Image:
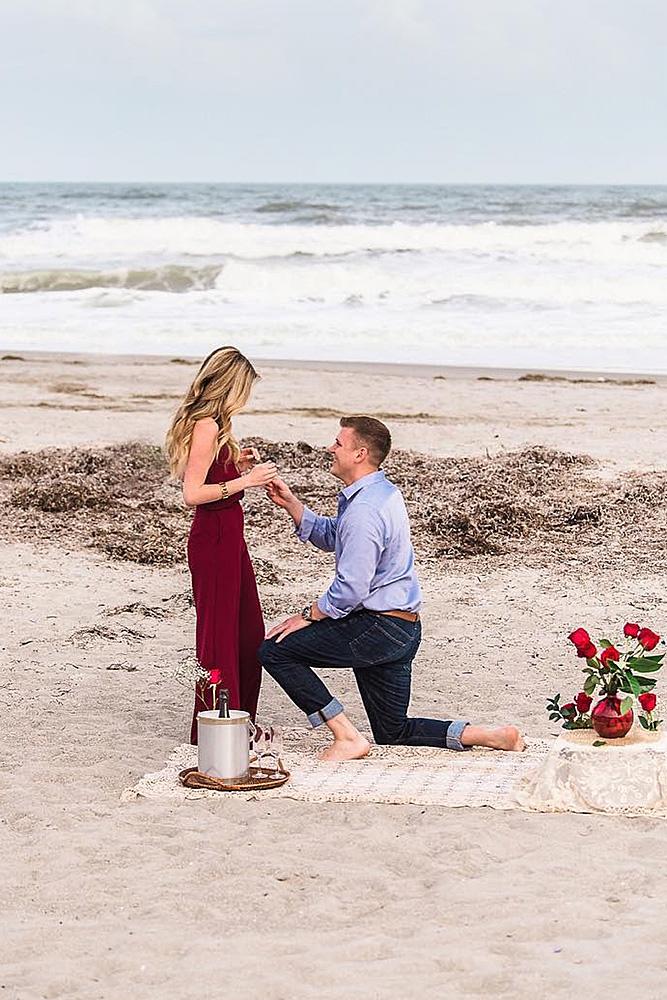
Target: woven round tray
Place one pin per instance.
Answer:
(192, 778)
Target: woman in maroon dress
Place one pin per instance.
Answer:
(204, 453)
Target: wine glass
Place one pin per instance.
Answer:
(262, 745)
(277, 748)
(252, 737)
(272, 750)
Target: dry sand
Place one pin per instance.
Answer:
(281, 899)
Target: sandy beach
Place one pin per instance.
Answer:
(538, 504)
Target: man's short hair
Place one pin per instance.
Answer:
(371, 434)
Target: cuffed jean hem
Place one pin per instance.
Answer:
(453, 737)
(329, 711)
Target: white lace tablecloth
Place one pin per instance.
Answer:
(624, 777)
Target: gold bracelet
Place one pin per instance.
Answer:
(224, 492)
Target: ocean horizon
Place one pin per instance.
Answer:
(518, 276)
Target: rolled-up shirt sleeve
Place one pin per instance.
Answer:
(361, 543)
(319, 530)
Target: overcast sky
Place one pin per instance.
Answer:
(334, 90)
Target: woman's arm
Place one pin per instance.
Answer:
(202, 452)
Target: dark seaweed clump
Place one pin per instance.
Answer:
(535, 503)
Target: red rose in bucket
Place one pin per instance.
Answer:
(189, 671)
(620, 676)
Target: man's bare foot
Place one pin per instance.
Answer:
(346, 749)
(348, 743)
(500, 738)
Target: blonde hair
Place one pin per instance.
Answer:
(220, 389)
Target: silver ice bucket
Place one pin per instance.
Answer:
(224, 744)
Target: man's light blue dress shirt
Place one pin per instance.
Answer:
(375, 561)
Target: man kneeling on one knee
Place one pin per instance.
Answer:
(368, 619)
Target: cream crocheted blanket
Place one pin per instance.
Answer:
(628, 777)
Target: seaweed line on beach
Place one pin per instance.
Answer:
(534, 504)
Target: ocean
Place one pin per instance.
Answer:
(535, 277)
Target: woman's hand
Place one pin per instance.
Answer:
(261, 475)
(248, 460)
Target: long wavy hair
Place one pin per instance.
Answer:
(220, 389)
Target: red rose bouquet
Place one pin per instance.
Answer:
(622, 677)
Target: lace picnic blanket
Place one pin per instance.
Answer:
(625, 777)
(395, 775)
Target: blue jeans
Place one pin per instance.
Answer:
(380, 649)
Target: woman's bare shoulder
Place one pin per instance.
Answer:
(205, 429)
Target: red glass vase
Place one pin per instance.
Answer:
(608, 722)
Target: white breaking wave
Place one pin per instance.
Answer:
(385, 267)
(117, 239)
(436, 280)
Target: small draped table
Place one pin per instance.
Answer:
(626, 777)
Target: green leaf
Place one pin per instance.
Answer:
(643, 722)
(645, 666)
(590, 685)
(605, 643)
(599, 743)
(569, 725)
(592, 662)
(647, 682)
(626, 705)
(554, 717)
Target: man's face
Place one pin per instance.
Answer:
(346, 454)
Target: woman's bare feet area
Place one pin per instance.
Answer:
(497, 738)
(346, 749)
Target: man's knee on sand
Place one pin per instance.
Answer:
(389, 733)
(271, 654)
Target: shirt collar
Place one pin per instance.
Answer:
(353, 488)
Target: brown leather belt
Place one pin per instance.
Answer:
(407, 616)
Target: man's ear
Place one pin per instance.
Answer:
(362, 454)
